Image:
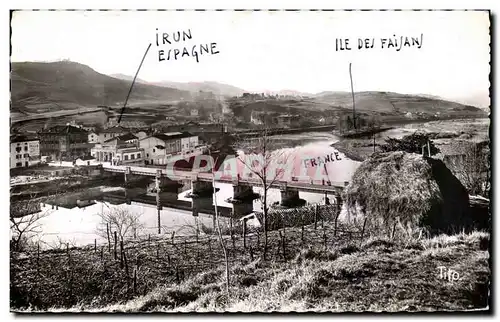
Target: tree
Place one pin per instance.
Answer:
(121, 220)
(25, 227)
(412, 143)
(471, 166)
(262, 164)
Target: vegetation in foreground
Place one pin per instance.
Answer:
(377, 275)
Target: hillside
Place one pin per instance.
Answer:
(214, 87)
(38, 87)
(388, 102)
(195, 87)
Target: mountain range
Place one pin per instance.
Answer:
(39, 87)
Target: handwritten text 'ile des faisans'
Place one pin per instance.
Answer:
(394, 42)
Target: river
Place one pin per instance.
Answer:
(81, 226)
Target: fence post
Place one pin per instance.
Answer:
(135, 279)
(121, 253)
(102, 252)
(95, 245)
(116, 257)
(282, 237)
(149, 239)
(244, 234)
(363, 231)
(185, 247)
(393, 229)
(315, 217)
(109, 239)
(324, 237)
(173, 238)
(126, 264)
(335, 225)
(168, 257)
(251, 253)
(210, 244)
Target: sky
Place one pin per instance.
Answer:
(259, 51)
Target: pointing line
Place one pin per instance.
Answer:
(132, 85)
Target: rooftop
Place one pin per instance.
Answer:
(63, 129)
(115, 129)
(170, 136)
(22, 138)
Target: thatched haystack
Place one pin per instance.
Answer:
(408, 190)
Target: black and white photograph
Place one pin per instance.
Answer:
(252, 161)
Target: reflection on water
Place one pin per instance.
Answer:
(80, 226)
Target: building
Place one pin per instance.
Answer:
(119, 151)
(193, 112)
(87, 160)
(256, 118)
(162, 146)
(112, 132)
(93, 137)
(288, 120)
(64, 143)
(24, 151)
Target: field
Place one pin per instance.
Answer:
(321, 267)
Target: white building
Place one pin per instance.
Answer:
(93, 137)
(160, 147)
(24, 151)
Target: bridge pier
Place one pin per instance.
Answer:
(202, 188)
(242, 200)
(290, 198)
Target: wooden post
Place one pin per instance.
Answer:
(95, 245)
(168, 258)
(302, 231)
(126, 263)
(157, 250)
(210, 245)
(373, 142)
(116, 256)
(121, 253)
(135, 279)
(316, 217)
(173, 238)
(149, 239)
(185, 247)
(102, 253)
(363, 231)
(244, 234)
(67, 250)
(135, 233)
(429, 148)
(251, 253)
(283, 245)
(393, 229)
(324, 237)
(109, 239)
(335, 224)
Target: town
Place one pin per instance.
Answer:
(352, 181)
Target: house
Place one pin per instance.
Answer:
(257, 118)
(287, 120)
(141, 135)
(161, 146)
(24, 151)
(64, 143)
(86, 161)
(117, 151)
(112, 132)
(93, 137)
(193, 112)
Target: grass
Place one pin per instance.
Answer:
(378, 274)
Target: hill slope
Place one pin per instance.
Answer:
(388, 102)
(40, 87)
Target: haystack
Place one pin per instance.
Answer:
(408, 190)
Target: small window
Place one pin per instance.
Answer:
(138, 155)
(147, 155)
(153, 150)
(132, 156)
(125, 157)
(25, 148)
(19, 164)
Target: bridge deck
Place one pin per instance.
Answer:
(297, 183)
